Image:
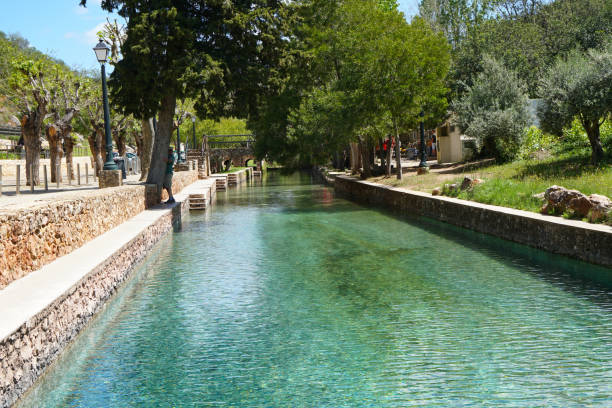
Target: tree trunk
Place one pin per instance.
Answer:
(119, 138)
(95, 145)
(388, 159)
(148, 137)
(69, 146)
(91, 139)
(365, 159)
(56, 152)
(31, 140)
(398, 152)
(32, 160)
(354, 158)
(592, 130)
(157, 169)
(381, 152)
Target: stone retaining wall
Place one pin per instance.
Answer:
(26, 353)
(31, 238)
(587, 242)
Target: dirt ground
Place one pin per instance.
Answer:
(439, 174)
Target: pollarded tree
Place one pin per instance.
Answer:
(494, 111)
(579, 86)
(30, 94)
(65, 106)
(91, 120)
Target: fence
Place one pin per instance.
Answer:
(79, 174)
(18, 153)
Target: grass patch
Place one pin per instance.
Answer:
(514, 184)
(233, 169)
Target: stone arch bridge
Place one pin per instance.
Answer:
(234, 149)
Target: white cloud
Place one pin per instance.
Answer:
(91, 36)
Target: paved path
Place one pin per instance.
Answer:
(10, 201)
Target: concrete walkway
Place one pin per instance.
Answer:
(10, 201)
(25, 298)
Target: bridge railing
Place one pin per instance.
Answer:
(10, 130)
(228, 141)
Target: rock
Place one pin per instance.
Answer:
(453, 187)
(551, 190)
(580, 205)
(601, 207)
(436, 191)
(466, 183)
(560, 200)
(539, 196)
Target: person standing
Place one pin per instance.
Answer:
(168, 177)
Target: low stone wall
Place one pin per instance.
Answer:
(321, 175)
(587, 242)
(26, 353)
(33, 237)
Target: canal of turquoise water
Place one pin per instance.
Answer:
(283, 295)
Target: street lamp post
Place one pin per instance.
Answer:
(178, 143)
(102, 51)
(423, 153)
(193, 120)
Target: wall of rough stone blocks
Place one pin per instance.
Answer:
(31, 238)
(587, 242)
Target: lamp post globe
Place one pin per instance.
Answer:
(102, 51)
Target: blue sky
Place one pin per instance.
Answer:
(66, 31)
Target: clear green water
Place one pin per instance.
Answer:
(284, 296)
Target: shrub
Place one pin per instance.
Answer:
(579, 85)
(536, 140)
(575, 139)
(494, 111)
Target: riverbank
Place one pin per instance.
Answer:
(517, 184)
(60, 282)
(576, 239)
(38, 232)
(46, 309)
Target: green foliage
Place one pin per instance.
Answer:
(494, 111)
(579, 86)
(527, 36)
(361, 72)
(223, 126)
(575, 140)
(388, 5)
(535, 141)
